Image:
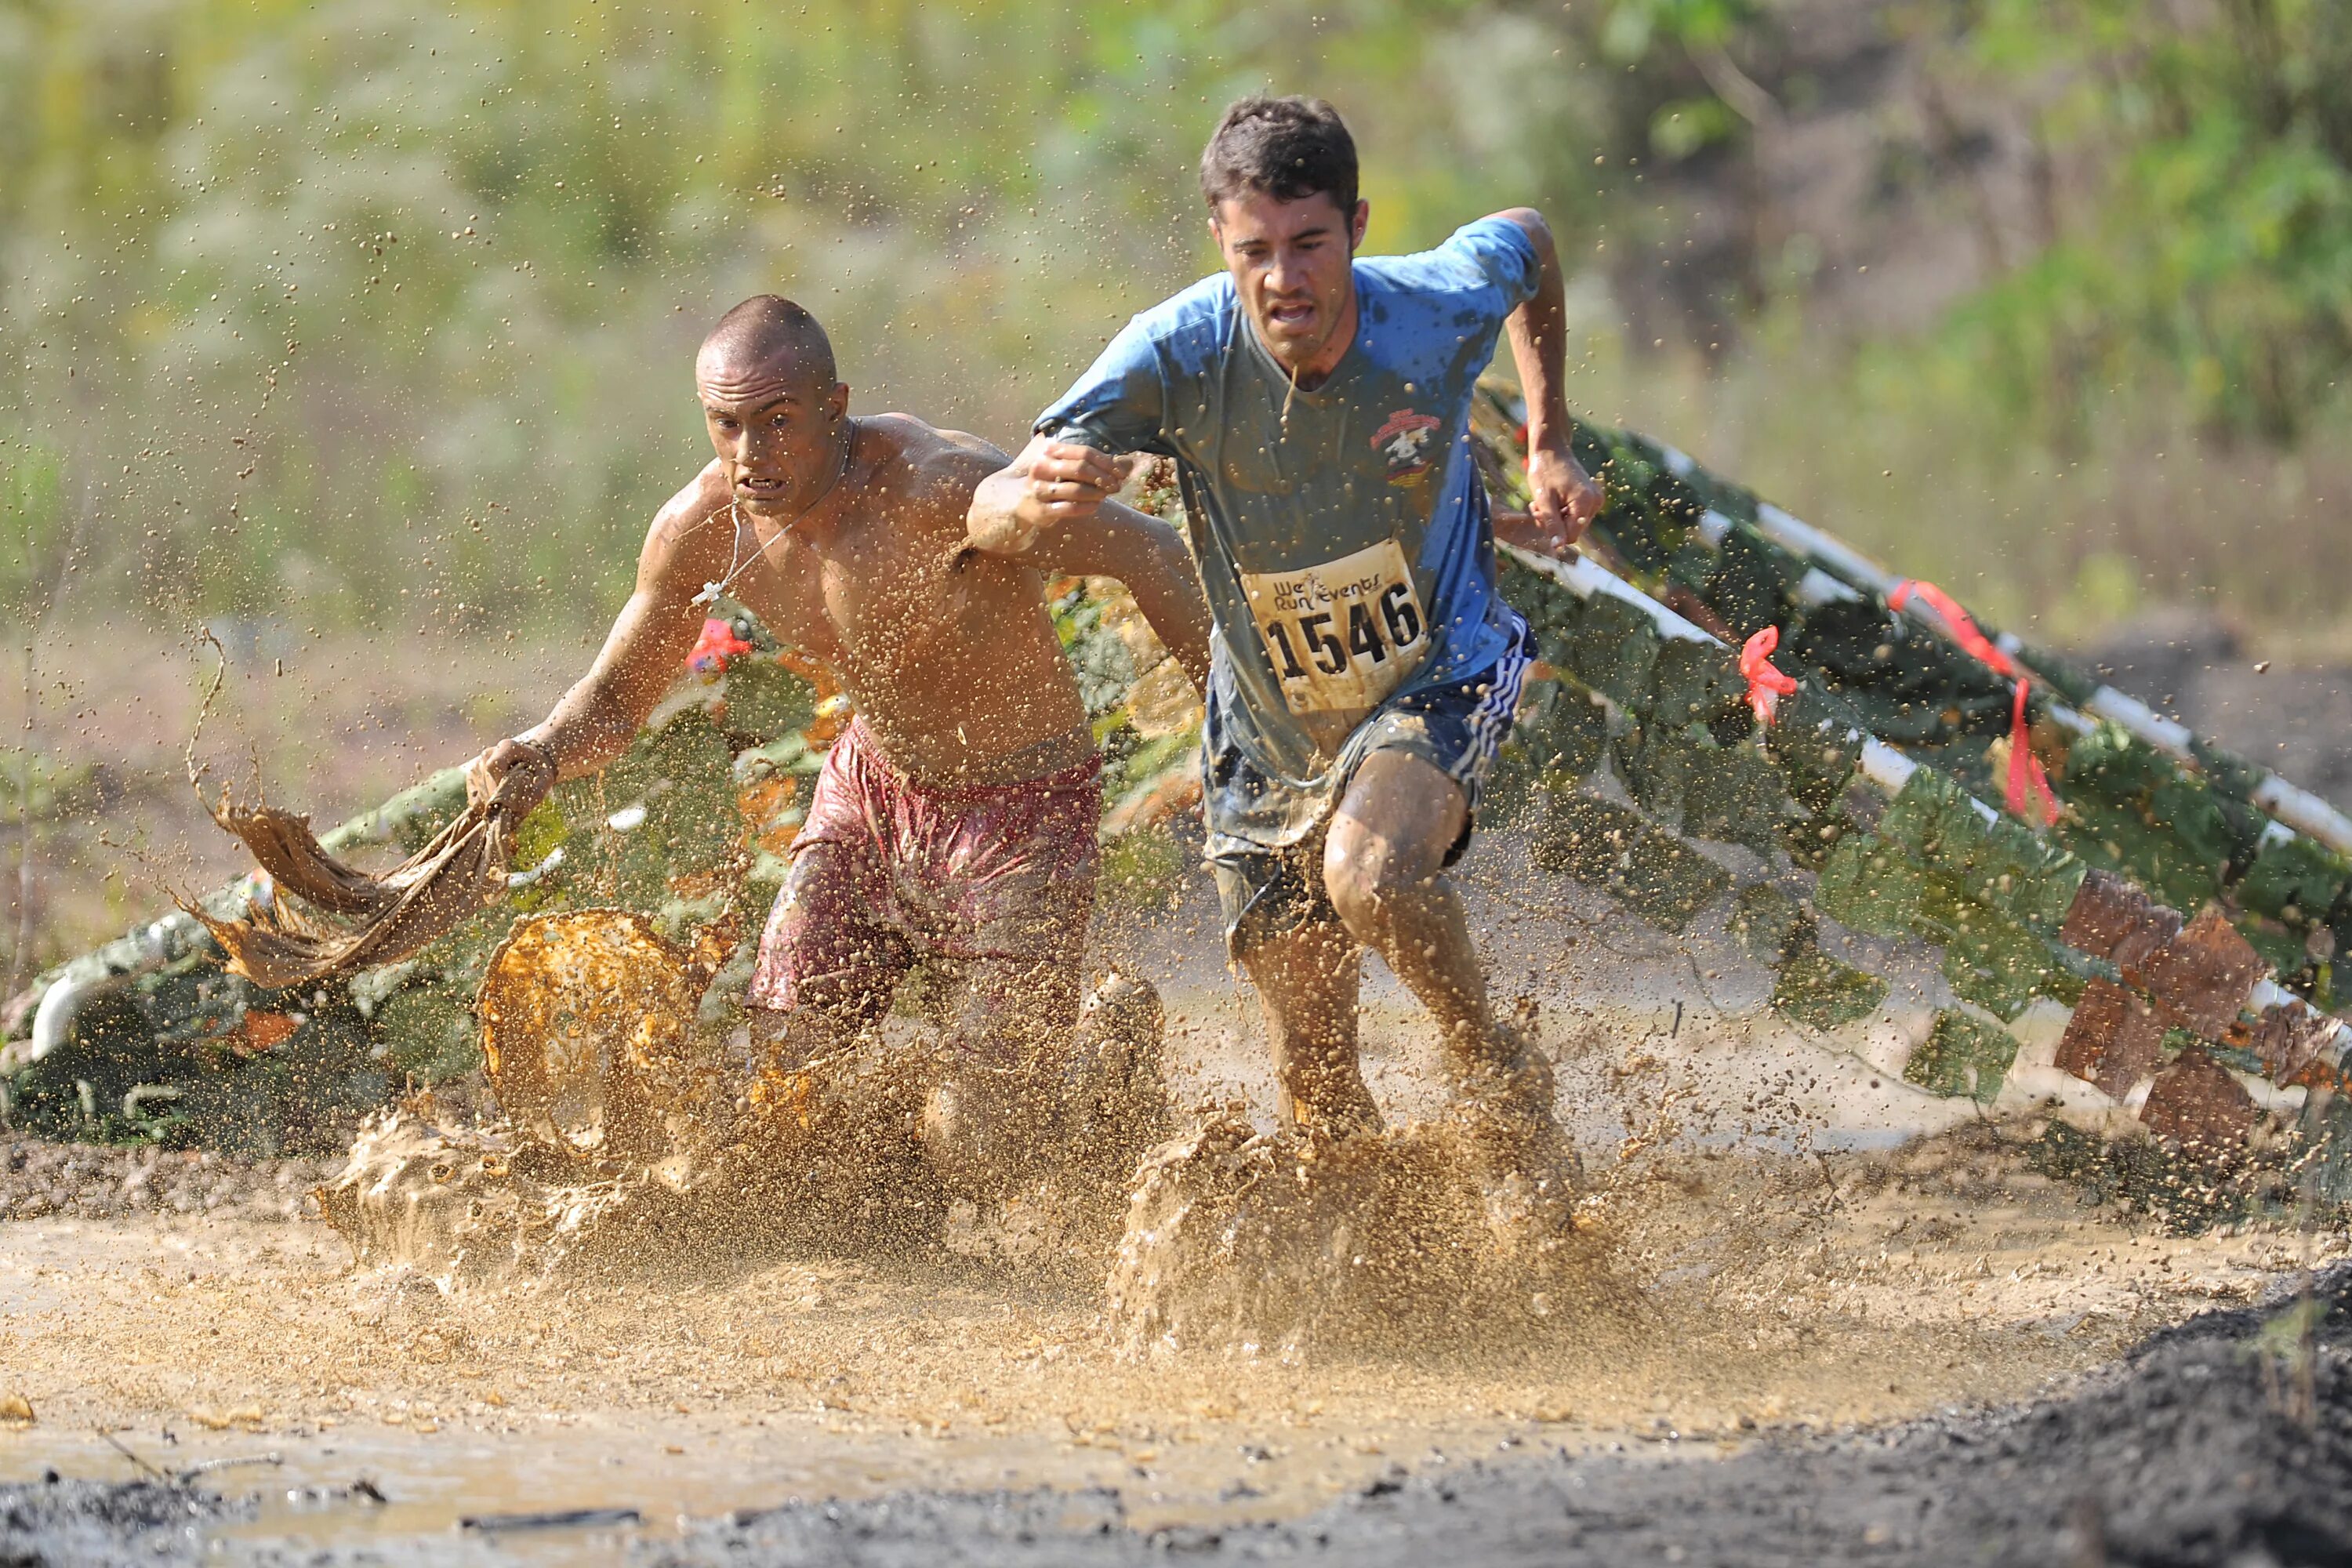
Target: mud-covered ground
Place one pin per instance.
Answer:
(2226, 1440)
(1792, 1376)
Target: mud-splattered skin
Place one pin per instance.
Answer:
(847, 537)
(950, 655)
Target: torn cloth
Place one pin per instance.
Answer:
(385, 918)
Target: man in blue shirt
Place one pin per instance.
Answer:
(1317, 405)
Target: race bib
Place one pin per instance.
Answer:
(1342, 635)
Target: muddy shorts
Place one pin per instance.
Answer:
(1457, 726)
(887, 871)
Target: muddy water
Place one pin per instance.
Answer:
(1790, 1266)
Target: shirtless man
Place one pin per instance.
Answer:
(955, 818)
(1317, 404)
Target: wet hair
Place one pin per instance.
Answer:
(768, 326)
(1287, 148)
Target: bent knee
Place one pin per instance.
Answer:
(1363, 881)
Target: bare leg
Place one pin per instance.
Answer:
(1307, 983)
(996, 1115)
(1383, 866)
(1383, 863)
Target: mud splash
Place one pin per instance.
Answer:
(1291, 1243)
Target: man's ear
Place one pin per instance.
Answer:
(836, 404)
(1362, 219)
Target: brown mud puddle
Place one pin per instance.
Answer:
(1776, 1290)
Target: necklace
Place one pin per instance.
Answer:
(737, 564)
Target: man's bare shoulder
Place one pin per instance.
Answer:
(679, 531)
(930, 461)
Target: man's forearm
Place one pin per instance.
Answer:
(1538, 330)
(1179, 616)
(588, 727)
(991, 523)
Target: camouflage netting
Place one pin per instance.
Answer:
(2149, 916)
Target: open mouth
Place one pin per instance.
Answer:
(1291, 316)
(751, 487)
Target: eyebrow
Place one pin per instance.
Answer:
(721, 406)
(1319, 229)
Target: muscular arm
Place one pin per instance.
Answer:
(1147, 555)
(1071, 526)
(1562, 498)
(593, 722)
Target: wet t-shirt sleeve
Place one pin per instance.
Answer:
(1120, 402)
(1490, 265)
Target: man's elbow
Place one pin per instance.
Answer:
(1538, 229)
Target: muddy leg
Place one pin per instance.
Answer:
(825, 972)
(1306, 984)
(996, 1117)
(1383, 866)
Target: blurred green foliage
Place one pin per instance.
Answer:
(2215, 249)
(348, 311)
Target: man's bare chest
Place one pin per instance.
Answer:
(873, 606)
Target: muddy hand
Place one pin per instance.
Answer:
(1562, 501)
(514, 774)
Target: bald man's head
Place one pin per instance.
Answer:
(777, 416)
(769, 332)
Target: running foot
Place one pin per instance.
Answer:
(1525, 1162)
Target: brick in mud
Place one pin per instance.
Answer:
(2114, 1039)
(2196, 1103)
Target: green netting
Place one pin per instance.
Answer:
(2293, 879)
(1813, 744)
(1614, 848)
(1612, 648)
(1962, 1056)
(1562, 733)
(1752, 583)
(1763, 919)
(1868, 887)
(1999, 966)
(1736, 798)
(1814, 989)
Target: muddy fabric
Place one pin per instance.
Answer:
(2195, 1103)
(889, 868)
(280, 943)
(2112, 1039)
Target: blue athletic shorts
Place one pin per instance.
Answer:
(1456, 727)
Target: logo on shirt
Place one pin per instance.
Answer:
(1406, 441)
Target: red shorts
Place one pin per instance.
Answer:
(887, 871)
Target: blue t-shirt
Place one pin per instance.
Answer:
(1344, 540)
